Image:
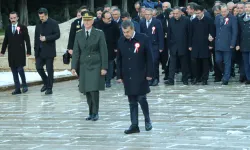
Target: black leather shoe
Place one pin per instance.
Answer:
(165, 78)
(16, 92)
(168, 82)
(95, 117)
(43, 89)
(148, 126)
(217, 80)
(224, 83)
(132, 129)
(194, 81)
(247, 82)
(242, 79)
(89, 117)
(48, 92)
(25, 89)
(155, 82)
(204, 83)
(108, 85)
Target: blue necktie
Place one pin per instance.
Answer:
(14, 29)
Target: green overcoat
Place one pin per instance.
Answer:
(93, 56)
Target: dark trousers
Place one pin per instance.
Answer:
(47, 79)
(226, 57)
(184, 67)
(200, 68)
(246, 59)
(15, 72)
(164, 59)
(156, 58)
(217, 71)
(133, 105)
(110, 71)
(93, 102)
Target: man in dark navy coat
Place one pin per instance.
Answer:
(152, 27)
(226, 36)
(244, 38)
(16, 35)
(201, 28)
(135, 69)
(178, 35)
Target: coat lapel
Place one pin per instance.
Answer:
(83, 43)
(92, 36)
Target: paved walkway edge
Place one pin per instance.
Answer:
(59, 79)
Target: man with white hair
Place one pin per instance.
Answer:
(152, 27)
(230, 6)
(116, 14)
(225, 41)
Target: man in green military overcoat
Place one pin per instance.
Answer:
(91, 50)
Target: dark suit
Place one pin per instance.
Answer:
(178, 42)
(164, 18)
(112, 34)
(226, 36)
(243, 42)
(157, 40)
(46, 51)
(16, 51)
(75, 26)
(133, 68)
(200, 54)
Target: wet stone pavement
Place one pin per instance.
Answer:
(212, 117)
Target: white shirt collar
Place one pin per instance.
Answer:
(149, 20)
(14, 24)
(88, 31)
(133, 35)
(202, 17)
(193, 16)
(118, 19)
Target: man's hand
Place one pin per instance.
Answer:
(190, 48)
(73, 71)
(1, 54)
(210, 47)
(161, 50)
(28, 55)
(103, 72)
(237, 48)
(119, 81)
(149, 78)
(210, 38)
(115, 50)
(42, 38)
(70, 51)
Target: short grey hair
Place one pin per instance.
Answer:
(117, 9)
(216, 8)
(223, 6)
(149, 9)
(169, 4)
(128, 23)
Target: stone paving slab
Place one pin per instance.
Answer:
(212, 117)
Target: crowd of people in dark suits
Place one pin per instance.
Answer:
(177, 37)
(111, 43)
